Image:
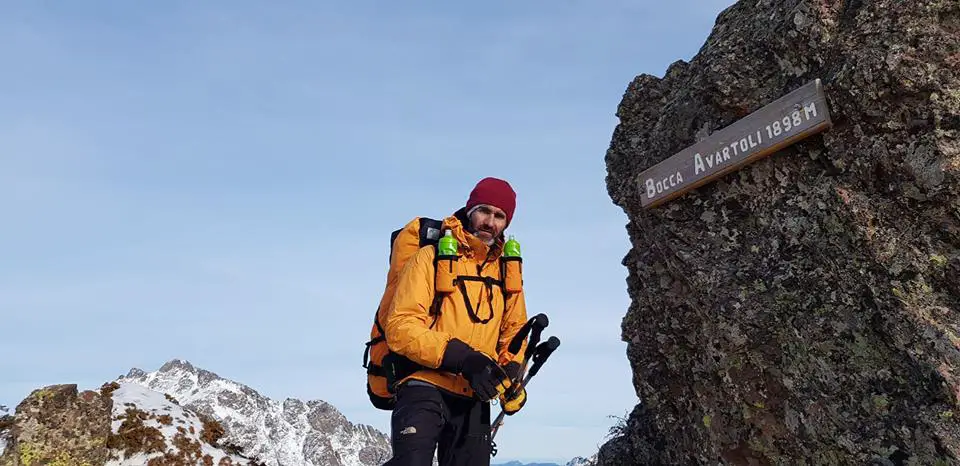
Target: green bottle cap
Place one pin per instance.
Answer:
(511, 248)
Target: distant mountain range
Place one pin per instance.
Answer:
(578, 461)
(517, 463)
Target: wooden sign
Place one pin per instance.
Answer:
(795, 116)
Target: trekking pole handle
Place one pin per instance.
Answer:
(543, 352)
(538, 321)
(535, 336)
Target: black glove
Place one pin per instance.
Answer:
(512, 369)
(486, 378)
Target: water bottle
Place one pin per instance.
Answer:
(511, 248)
(448, 245)
(446, 272)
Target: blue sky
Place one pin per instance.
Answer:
(217, 182)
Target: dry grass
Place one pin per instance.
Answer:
(212, 430)
(134, 436)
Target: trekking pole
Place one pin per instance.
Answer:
(540, 355)
(536, 324)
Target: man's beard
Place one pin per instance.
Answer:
(488, 242)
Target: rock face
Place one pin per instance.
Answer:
(278, 433)
(56, 425)
(806, 306)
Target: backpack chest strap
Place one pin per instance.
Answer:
(461, 282)
(489, 281)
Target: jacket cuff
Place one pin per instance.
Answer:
(454, 355)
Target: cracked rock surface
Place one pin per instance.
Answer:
(807, 306)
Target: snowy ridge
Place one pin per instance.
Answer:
(291, 432)
(581, 461)
(4, 432)
(181, 431)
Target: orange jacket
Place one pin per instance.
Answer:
(407, 322)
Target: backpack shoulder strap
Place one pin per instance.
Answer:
(404, 243)
(428, 232)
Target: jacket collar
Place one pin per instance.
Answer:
(470, 245)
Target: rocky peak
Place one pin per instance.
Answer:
(178, 365)
(804, 306)
(135, 372)
(179, 368)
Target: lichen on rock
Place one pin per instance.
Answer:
(57, 426)
(807, 306)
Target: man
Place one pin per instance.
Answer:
(461, 355)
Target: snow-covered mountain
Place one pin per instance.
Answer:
(277, 433)
(149, 426)
(581, 461)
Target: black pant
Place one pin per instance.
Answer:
(426, 419)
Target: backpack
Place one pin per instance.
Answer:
(384, 367)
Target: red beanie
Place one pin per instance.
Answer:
(495, 192)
